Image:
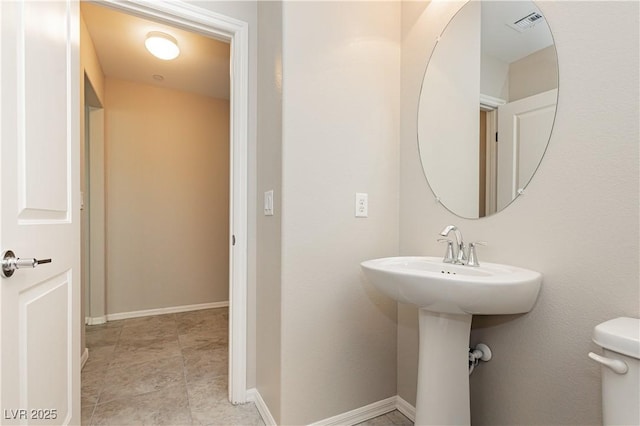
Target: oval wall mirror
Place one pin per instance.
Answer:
(487, 105)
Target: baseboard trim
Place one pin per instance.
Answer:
(361, 414)
(84, 358)
(405, 408)
(169, 310)
(350, 418)
(254, 396)
(95, 320)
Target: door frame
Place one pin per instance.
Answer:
(236, 32)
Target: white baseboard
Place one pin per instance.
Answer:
(95, 320)
(254, 396)
(349, 418)
(84, 358)
(405, 408)
(361, 414)
(169, 310)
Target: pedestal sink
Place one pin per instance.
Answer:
(448, 295)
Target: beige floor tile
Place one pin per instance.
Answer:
(208, 319)
(399, 419)
(209, 405)
(207, 362)
(203, 313)
(168, 406)
(151, 328)
(207, 389)
(108, 324)
(394, 418)
(102, 337)
(233, 415)
(92, 384)
(377, 421)
(133, 352)
(142, 378)
(167, 369)
(164, 331)
(99, 358)
(149, 322)
(204, 338)
(86, 412)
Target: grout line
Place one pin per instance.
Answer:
(106, 371)
(95, 404)
(184, 371)
(128, 397)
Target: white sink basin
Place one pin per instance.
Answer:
(441, 287)
(448, 296)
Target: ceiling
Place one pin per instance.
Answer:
(202, 67)
(504, 43)
(203, 64)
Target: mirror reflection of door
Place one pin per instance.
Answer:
(524, 126)
(518, 77)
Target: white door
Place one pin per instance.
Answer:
(39, 212)
(524, 127)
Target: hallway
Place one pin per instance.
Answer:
(166, 369)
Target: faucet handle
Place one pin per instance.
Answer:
(448, 255)
(473, 257)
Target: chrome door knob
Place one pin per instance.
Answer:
(10, 263)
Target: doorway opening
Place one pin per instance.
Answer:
(209, 24)
(488, 161)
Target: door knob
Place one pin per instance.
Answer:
(10, 263)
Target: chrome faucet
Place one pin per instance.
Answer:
(460, 255)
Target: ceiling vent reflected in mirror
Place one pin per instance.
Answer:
(526, 23)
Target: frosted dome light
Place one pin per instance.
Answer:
(162, 45)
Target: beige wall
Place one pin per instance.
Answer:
(577, 223)
(533, 74)
(93, 184)
(269, 229)
(96, 206)
(494, 77)
(167, 197)
(340, 136)
(90, 63)
(442, 107)
(91, 70)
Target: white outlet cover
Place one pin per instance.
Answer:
(362, 204)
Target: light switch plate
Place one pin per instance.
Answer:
(268, 203)
(362, 204)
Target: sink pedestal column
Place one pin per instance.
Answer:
(443, 369)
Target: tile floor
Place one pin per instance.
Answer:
(161, 370)
(394, 418)
(168, 370)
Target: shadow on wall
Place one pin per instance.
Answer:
(379, 300)
(488, 321)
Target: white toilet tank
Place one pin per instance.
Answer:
(620, 339)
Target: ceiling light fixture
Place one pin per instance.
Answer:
(162, 45)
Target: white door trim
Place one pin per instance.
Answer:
(236, 32)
